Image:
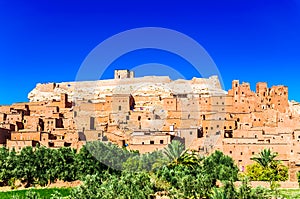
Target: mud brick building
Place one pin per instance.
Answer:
(147, 113)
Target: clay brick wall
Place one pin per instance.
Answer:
(27, 135)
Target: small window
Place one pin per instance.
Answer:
(241, 153)
(161, 141)
(252, 152)
(143, 143)
(152, 142)
(191, 132)
(230, 152)
(120, 108)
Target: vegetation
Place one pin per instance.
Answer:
(111, 172)
(266, 168)
(52, 193)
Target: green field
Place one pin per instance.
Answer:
(290, 193)
(44, 193)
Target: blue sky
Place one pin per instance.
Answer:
(47, 41)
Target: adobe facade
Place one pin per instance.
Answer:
(147, 113)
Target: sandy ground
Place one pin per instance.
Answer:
(58, 184)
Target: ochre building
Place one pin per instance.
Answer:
(147, 113)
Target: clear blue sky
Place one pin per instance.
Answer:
(46, 41)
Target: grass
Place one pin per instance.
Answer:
(44, 193)
(290, 193)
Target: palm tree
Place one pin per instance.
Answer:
(175, 154)
(265, 158)
(174, 151)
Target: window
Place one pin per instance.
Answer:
(230, 127)
(218, 126)
(120, 108)
(151, 142)
(92, 123)
(252, 152)
(191, 132)
(241, 153)
(143, 143)
(161, 141)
